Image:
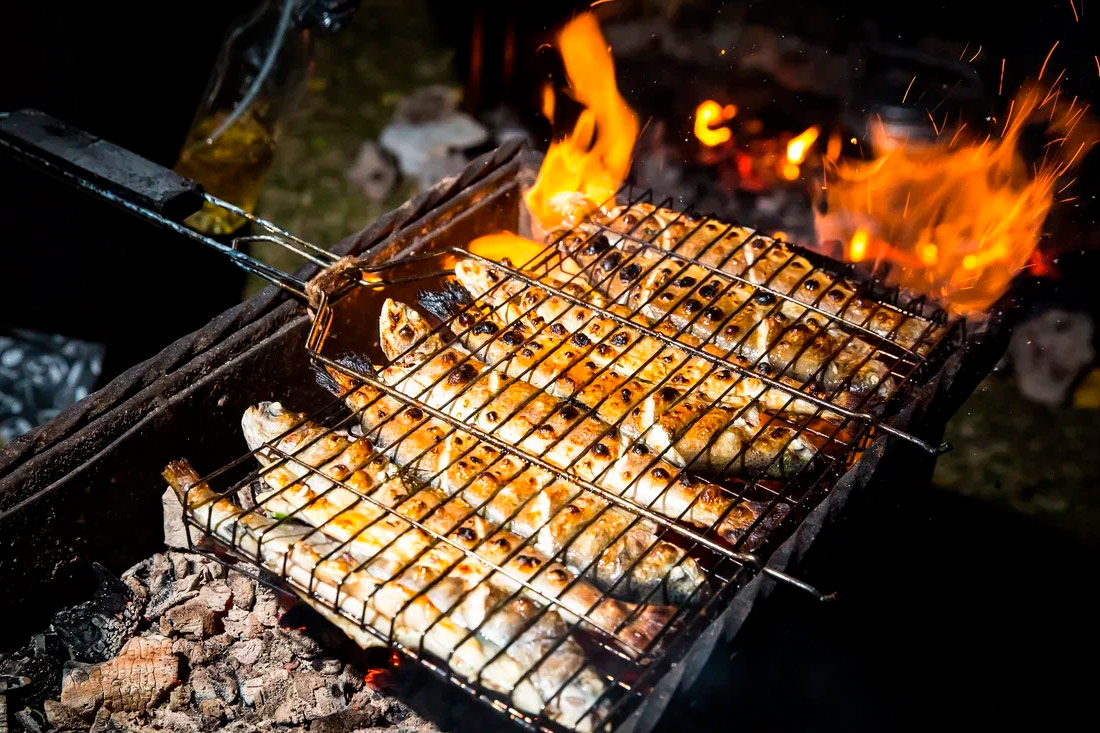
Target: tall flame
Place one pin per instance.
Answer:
(957, 222)
(590, 163)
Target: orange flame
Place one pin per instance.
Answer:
(594, 159)
(506, 245)
(548, 102)
(857, 250)
(800, 145)
(708, 114)
(958, 222)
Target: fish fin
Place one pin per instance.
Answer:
(338, 381)
(446, 303)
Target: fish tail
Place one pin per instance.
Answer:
(181, 476)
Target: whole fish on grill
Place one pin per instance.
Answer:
(618, 551)
(621, 346)
(677, 424)
(541, 669)
(449, 379)
(761, 259)
(777, 335)
(344, 515)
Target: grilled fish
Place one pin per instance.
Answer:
(761, 259)
(343, 515)
(619, 552)
(541, 669)
(626, 349)
(678, 425)
(778, 336)
(518, 413)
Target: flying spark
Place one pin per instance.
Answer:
(1001, 84)
(976, 54)
(956, 135)
(933, 120)
(1047, 59)
(906, 95)
(1076, 17)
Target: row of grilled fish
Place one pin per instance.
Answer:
(421, 594)
(747, 295)
(511, 519)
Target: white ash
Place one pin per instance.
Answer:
(210, 654)
(1049, 354)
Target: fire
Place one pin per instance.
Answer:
(857, 250)
(588, 165)
(707, 115)
(800, 145)
(548, 101)
(797, 148)
(957, 221)
(503, 245)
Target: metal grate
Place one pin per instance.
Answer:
(837, 422)
(557, 665)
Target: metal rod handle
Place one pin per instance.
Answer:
(123, 178)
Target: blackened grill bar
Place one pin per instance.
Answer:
(779, 509)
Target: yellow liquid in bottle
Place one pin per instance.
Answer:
(232, 168)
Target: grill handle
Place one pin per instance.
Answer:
(106, 166)
(140, 186)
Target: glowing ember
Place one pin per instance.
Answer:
(503, 245)
(957, 220)
(548, 101)
(586, 167)
(857, 250)
(800, 145)
(707, 115)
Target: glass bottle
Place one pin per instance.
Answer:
(259, 76)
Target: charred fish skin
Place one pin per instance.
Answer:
(563, 686)
(634, 566)
(518, 413)
(368, 530)
(627, 349)
(777, 338)
(745, 252)
(685, 429)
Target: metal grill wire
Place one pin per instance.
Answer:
(722, 567)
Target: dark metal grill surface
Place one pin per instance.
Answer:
(777, 504)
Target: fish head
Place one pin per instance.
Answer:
(266, 421)
(476, 276)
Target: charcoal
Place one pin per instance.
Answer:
(33, 721)
(229, 661)
(244, 591)
(193, 618)
(176, 534)
(141, 675)
(40, 660)
(95, 630)
(63, 717)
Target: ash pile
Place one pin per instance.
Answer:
(181, 643)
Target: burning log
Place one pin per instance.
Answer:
(140, 676)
